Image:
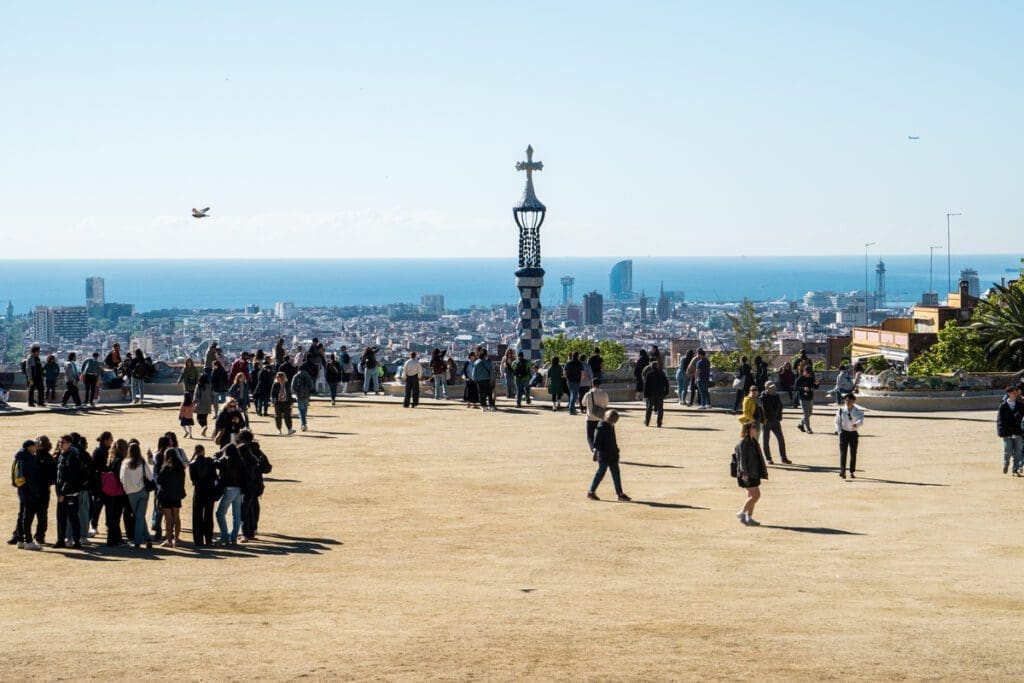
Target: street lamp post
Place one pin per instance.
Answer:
(949, 257)
(868, 244)
(931, 263)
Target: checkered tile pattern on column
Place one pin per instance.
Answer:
(531, 327)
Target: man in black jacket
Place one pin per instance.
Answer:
(69, 485)
(34, 377)
(573, 372)
(655, 390)
(254, 458)
(1008, 427)
(805, 386)
(771, 403)
(606, 453)
(29, 485)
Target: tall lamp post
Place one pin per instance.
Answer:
(529, 216)
(931, 263)
(949, 257)
(869, 244)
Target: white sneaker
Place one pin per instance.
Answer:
(32, 546)
(92, 532)
(21, 545)
(279, 432)
(303, 427)
(742, 517)
(290, 432)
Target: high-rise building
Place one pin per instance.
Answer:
(433, 303)
(567, 282)
(593, 308)
(620, 280)
(284, 310)
(664, 305)
(95, 294)
(251, 309)
(643, 308)
(10, 311)
(973, 283)
(880, 284)
(53, 323)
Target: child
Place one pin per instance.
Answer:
(185, 414)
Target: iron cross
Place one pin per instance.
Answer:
(530, 165)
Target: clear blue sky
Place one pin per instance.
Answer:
(392, 129)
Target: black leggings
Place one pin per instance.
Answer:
(283, 412)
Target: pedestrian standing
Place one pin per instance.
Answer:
(508, 373)
(1008, 427)
(682, 378)
(439, 372)
(787, 381)
(92, 370)
(116, 499)
(606, 453)
(69, 486)
(137, 481)
(229, 423)
(771, 403)
(71, 379)
(484, 376)
(522, 372)
(261, 389)
(170, 483)
(240, 392)
(573, 371)
(556, 383)
(750, 470)
(51, 373)
(189, 376)
(25, 476)
(655, 390)
(849, 420)
(203, 475)
(744, 380)
(642, 361)
(411, 371)
(703, 372)
(204, 402)
(229, 471)
(805, 386)
(470, 394)
(332, 375)
(368, 365)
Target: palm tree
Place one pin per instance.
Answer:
(999, 320)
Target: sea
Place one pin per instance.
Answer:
(467, 282)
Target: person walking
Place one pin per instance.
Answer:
(556, 383)
(229, 471)
(302, 389)
(439, 372)
(346, 369)
(771, 404)
(261, 389)
(573, 371)
(229, 423)
(92, 370)
(26, 478)
(220, 383)
(203, 474)
(703, 373)
(71, 379)
(849, 420)
(606, 453)
(137, 481)
(51, 373)
(805, 386)
(1008, 427)
(240, 392)
(484, 376)
(412, 371)
(332, 375)
(521, 371)
(844, 383)
(189, 376)
(750, 469)
(281, 397)
(203, 402)
(655, 390)
(595, 404)
(185, 414)
(744, 378)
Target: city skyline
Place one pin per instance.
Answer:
(704, 130)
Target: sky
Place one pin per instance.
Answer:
(344, 129)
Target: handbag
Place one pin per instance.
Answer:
(733, 472)
(110, 485)
(148, 484)
(737, 383)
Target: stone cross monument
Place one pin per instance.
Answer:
(529, 215)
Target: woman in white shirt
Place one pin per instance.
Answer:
(135, 473)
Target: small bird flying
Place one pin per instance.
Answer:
(196, 213)
(913, 137)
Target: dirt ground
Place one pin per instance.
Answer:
(445, 543)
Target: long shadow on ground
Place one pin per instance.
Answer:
(650, 464)
(813, 530)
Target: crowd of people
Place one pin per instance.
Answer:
(117, 480)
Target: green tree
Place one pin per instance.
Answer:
(613, 352)
(726, 361)
(957, 348)
(749, 329)
(999, 322)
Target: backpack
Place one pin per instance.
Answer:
(17, 473)
(139, 371)
(24, 367)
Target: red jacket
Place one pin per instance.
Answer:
(239, 366)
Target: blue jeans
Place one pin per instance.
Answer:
(574, 396)
(522, 391)
(232, 498)
(599, 475)
(1012, 446)
(440, 387)
(303, 407)
(137, 502)
(682, 384)
(370, 379)
(84, 501)
(138, 389)
(218, 398)
(703, 393)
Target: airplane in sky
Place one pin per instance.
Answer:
(196, 213)
(913, 137)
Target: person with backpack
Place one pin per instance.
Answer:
(138, 371)
(606, 453)
(255, 464)
(345, 359)
(439, 371)
(1008, 428)
(71, 379)
(573, 372)
(137, 481)
(281, 397)
(368, 365)
(849, 420)
(26, 479)
(656, 388)
(203, 474)
(115, 499)
(521, 371)
(749, 469)
(302, 389)
(70, 474)
(229, 472)
(92, 370)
